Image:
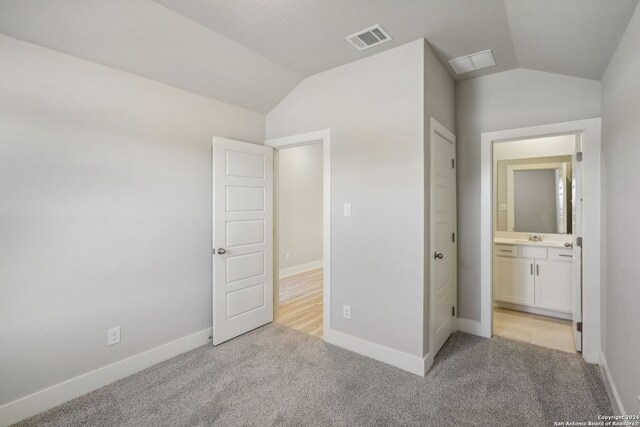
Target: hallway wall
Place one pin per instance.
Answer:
(621, 153)
(300, 200)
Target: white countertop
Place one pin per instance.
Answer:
(516, 241)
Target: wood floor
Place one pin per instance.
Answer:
(301, 302)
(541, 330)
(301, 309)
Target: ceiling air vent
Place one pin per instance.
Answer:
(369, 38)
(473, 62)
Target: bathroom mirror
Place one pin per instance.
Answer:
(534, 195)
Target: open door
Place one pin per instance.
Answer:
(242, 237)
(576, 229)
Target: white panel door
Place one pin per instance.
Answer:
(554, 285)
(242, 237)
(442, 227)
(576, 230)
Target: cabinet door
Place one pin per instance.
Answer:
(554, 285)
(513, 280)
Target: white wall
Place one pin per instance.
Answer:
(300, 205)
(374, 108)
(621, 153)
(105, 213)
(439, 102)
(511, 99)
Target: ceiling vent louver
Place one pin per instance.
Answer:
(473, 62)
(369, 38)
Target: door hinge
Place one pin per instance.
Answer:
(579, 242)
(453, 163)
(579, 156)
(579, 326)
(453, 237)
(453, 311)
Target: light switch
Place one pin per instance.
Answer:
(347, 209)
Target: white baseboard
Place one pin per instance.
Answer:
(290, 271)
(428, 362)
(468, 326)
(534, 310)
(55, 395)
(612, 391)
(410, 363)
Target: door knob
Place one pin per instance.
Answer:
(438, 255)
(221, 251)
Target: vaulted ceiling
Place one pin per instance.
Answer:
(251, 53)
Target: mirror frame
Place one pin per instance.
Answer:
(559, 166)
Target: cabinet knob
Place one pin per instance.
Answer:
(438, 255)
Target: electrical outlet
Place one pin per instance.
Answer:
(113, 336)
(287, 256)
(346, 311)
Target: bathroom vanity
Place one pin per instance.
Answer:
(533, 276)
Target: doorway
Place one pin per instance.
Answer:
(245, 240)
(302, 231)
(299, 217)
(529, 269)
(534, 215)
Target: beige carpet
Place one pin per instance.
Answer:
(275, 376)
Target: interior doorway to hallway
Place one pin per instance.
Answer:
(299, 212)
(302, 233)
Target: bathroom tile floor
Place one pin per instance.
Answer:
(535, 329)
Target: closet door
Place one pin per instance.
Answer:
(443, 284)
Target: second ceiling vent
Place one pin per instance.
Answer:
(369, 38)
(473, 62)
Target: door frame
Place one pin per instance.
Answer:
(589, 131)
(316, 137)
(436, 128)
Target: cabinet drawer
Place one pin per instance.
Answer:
(557, 254)
(533, 252)
(506, 250)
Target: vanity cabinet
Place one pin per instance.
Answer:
(533, 278)
(514, 281)
(553, 285)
